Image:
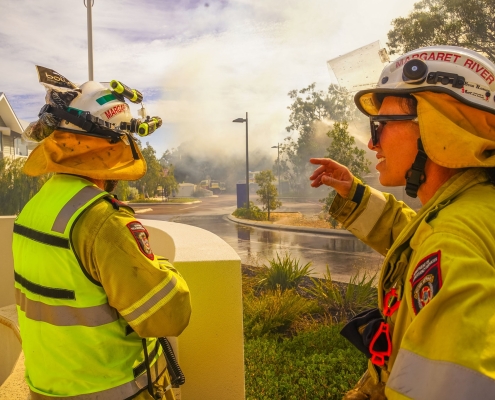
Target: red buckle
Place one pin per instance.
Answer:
(378, 357)
(389, 308)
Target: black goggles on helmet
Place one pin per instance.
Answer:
(377, 122)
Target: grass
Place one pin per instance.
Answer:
(170, 200)
(275, 312)
(284, 273)
(345, 301)
(317, 364)
(293, 349)
(253, 213)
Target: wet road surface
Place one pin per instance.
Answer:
(256, 246)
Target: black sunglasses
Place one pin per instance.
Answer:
(377, 122)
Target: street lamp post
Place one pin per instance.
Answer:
(89, 5)
(278, 164)
(247, 158)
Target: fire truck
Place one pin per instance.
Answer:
(215, 186)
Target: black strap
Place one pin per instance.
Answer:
(148, 370)
(358, 195)
(86, 121)
(41, 237)
(142, 366)
(416, 176)
(45, 291)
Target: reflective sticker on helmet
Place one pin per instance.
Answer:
(105, 99)
(426, 281)
(476, 90)
(141, 236)
(119, 108)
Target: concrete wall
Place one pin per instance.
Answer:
(6, 261)
(210, 350)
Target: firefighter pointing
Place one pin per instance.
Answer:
(94, 301)
(432, 120)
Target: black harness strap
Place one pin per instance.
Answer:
(41, 237)
(415, 177)
(44, 291)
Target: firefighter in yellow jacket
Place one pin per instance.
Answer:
(432, 118)
(94, 302)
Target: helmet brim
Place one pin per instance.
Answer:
(369, 101)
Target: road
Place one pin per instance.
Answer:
(256, 245)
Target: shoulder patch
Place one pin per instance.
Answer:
(426, 281)
(141, 236)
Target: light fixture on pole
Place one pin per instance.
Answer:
(278, 164)
(247, 157)
(90, 37)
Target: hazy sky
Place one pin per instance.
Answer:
(199, 64)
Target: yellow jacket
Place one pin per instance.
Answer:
(441, 261)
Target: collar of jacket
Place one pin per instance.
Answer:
(396, 262)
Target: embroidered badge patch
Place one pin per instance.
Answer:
(426, 281)
(141, 236)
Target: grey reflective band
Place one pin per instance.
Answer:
(420, 378)
(125, 391)
(65, 315)
(162, 293)
(74, 204)
(54, 293)
(363, 224)
(41, 237)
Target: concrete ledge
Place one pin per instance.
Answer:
(210, 350)
(12, 383)
(264, 225)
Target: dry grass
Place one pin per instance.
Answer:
(298, 219)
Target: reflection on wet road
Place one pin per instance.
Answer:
(256, 245)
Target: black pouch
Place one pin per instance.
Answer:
(361, 329)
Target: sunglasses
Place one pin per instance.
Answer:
(377, 122)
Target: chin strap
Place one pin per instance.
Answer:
(416, 176)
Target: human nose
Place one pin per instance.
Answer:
(371, 146)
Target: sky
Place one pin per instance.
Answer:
(199, 64)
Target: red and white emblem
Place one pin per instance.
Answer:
(426, 281)
(141, 236)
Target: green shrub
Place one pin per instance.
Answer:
(345, 301)
(285, 273)
(254, 213)
(274, 312)
(313, 365)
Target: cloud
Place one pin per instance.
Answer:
(198, 66)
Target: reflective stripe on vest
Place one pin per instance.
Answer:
(65, 315)
(66, 213)
(417, 377)
(117, 393)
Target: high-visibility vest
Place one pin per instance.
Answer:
(74, 342)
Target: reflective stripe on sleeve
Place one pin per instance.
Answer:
(418, 377)
(74, 204)
(147, 305)
(65, 315)
(125, 391)
(363, 225)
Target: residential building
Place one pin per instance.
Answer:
(11, 142)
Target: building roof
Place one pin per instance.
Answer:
(8, 116)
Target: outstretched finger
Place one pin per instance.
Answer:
(317, 172)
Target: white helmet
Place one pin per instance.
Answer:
(461, 73)
(101, 103)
